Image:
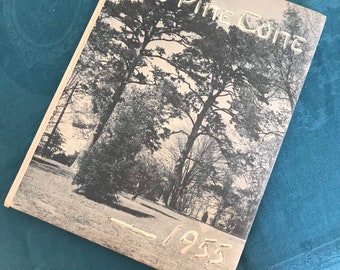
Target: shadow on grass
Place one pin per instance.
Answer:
(43, 161)
(51, 166)
(159, 211)
(118, 206)
(131, 211)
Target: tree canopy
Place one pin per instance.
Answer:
(188, 112)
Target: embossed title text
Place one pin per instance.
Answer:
(264, 30)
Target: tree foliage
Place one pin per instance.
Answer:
(154, 65)
(107, 167)
(123, 51)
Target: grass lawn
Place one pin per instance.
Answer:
(46, 192)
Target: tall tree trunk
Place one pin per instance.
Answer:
(107, 114)
(117, 95)
(290, 98)
(218, 214)
(44, 152)
(179, 182)
(121, 88)
(169, 191)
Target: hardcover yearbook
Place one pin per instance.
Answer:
(163, 132)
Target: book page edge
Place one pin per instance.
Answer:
(11, 194)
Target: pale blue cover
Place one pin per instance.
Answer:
(298, 223)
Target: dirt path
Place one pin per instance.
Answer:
(46, 192)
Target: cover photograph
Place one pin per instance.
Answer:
(163, 132)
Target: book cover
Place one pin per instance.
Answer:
(163, 132)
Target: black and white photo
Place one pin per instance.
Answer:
(164, 133)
